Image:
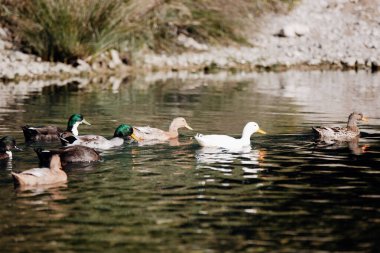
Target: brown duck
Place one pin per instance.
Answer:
(150, 133)
(341, 133)
(73, 154)
(42, 176)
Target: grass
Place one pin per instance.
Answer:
(65, 30)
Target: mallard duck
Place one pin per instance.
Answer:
(341, 133)
(41, 176)
(51, 133)
(100, 142)
(228, 142)
(149, 133)
(74, 154)
(7, 143)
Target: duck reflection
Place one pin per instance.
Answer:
(212, 155)
(352, 145)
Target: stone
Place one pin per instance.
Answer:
(115, 58)
(83, 66)
(293, 30)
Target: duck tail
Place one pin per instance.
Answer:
(67, 140)
(43, 156)
(198, 135)
(17, 179)
(316, 131)
(29, 132)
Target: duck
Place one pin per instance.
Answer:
(7, 143)
(100, 142)
(51, 133)
(228, 142)
(73, 154)
(41, 176)
(348, 133)
(149, 133)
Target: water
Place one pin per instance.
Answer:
(288, 194)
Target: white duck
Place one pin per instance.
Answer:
(228, 142)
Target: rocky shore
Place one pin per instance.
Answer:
(332, 34)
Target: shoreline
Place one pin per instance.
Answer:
(315, 35)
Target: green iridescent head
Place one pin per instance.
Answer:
(123, 131)
(75, 120)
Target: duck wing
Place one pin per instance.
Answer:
(37, 172)
(41, 132)
(70, 154)
(150, 133)
(216, 140)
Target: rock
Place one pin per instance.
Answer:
(3, 33)
(115, 58)
(83, 66)
(293, 30)
(19, 56)
(190, 43)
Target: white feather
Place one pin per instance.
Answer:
(228, 142)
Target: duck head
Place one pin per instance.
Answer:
(353, 118)
(74, 121)
(124, 131)
(8, 143)
(251, 128)
(178, 123)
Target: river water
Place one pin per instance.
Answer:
(288, 194)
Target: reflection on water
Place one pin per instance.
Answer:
(288, 193)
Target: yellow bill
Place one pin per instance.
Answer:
(261, 131)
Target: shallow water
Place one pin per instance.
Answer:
(287, 194)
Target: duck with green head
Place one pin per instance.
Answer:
(7, 143)
(100, 142)
(51, 133)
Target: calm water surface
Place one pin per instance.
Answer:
(287, 194)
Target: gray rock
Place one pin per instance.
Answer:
(293, 30)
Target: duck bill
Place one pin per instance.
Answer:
(17, 148)
(364, 119)
(261, 131)
(133, 136)
(188, 127)
(86, 122)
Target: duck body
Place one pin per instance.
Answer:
(335, 133)
(42, 176)
(222, 141)
(7, 143)
(74, 154)
(51, 133)
(41, 133)
(228, 142)
(97, 141)
(147, 133)
(340, 133)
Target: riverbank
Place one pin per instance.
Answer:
(326, 34)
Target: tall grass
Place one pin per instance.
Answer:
(64, 30)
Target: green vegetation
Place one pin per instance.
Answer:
(64, 30)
